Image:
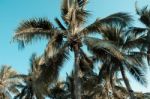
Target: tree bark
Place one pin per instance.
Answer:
(77, 82)
(130, 91)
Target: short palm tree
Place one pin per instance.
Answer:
(70, 34)
(7, 82)
(34, 86)
(40, 76)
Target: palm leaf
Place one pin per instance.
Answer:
(61, 26)
(53, 46)
(81, 16)
(7, 72)
(86, 64)
(97, 45)
(123, 19)
(144, 14)
(137, 59)
(3, 71)
(134, 42)
(65, 8)
(104, 70)
(34, 29)
(39, 23)
(22, 76)
(81, 3)
(115, 33)
(137, 73)
(34, 62)
(13, 89)
(53, 63)
(137, 30)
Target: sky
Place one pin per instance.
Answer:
(12, 12)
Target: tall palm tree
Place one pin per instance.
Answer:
(7, 82)
(71, 33)
(125, 55)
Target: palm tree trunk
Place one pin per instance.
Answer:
(131, 93)
(77, 82)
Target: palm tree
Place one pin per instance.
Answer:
(144, 18)
(70, 34)
(41, 75)
(124, 55)
(34, 85)
(7, 82)
(91, 88)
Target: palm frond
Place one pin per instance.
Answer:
(34, 29)
(97, 45)
(13, 89)
(53, 45)
(104, 70)
(123, 19)
(138, 10)
(74, 9)
(81, 16)
(21, 94)
(144, 14)
(20, 76)
(137, 59)
(81, 3)
(4, 70)
(40, 23)
(35, 64)
(137, 30)
(134, 42)
(76, 17)
(61, 26)
(70, 83)
(86, 64)
(138, 75)
(11, 82)
(114, 33)
(32, 59)
(7, 72)
(53, 63)
(65, 8)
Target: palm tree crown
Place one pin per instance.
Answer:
(8, 82)
(73, 34)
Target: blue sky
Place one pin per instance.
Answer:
(12, 12)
